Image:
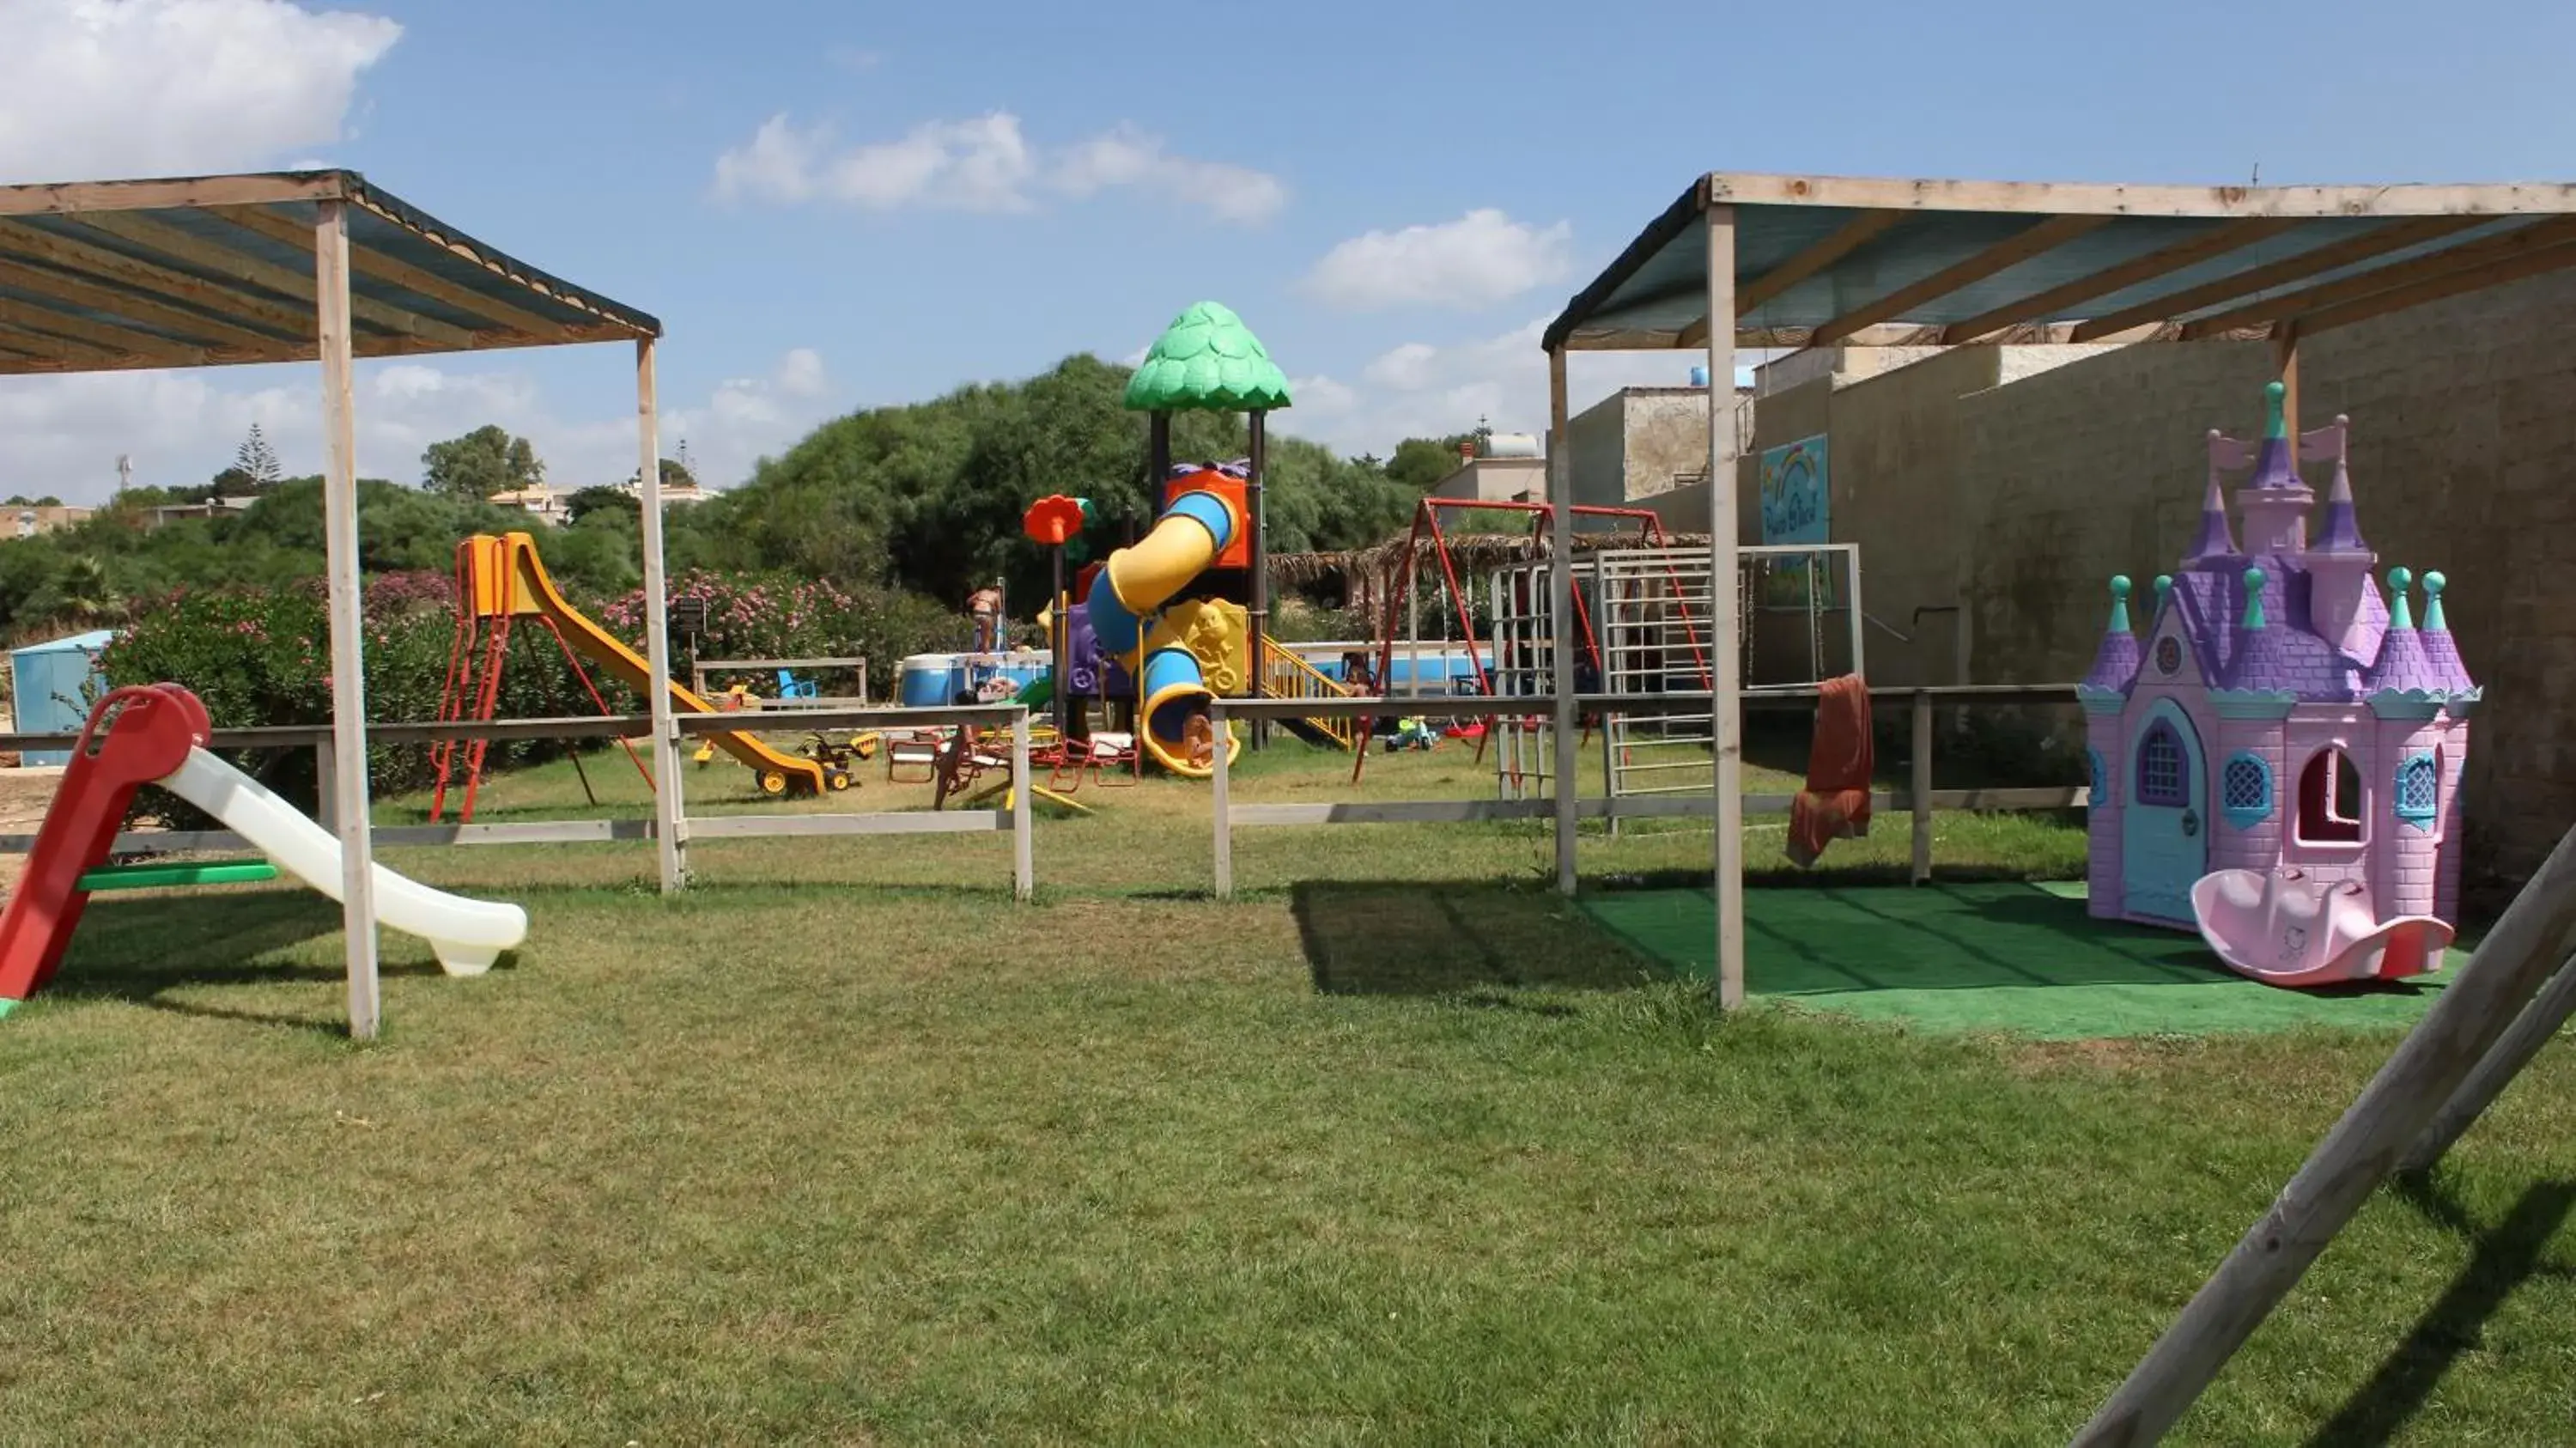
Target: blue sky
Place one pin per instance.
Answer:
(924, 195)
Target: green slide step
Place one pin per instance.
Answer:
(154, 877)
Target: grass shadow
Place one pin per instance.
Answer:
(1477, 943)
(2505, 1256)
(139, 950)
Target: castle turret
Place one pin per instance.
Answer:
(2339, 564)
(2214, 540)
(2276, 502)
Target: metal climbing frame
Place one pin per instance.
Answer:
(1645, 615)
(1798, 607)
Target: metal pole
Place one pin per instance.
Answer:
(348, 615)
(1921, 787)
(668, 845)
(1221, 804)
(1060, 637)
(1023, 852)
(1560, 592)
(1255, 686)
(1726, 699)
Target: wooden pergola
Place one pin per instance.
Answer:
(1819, 261)
(294, 267)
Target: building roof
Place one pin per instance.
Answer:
(1822, 260)
(214, 270)
(87, 643)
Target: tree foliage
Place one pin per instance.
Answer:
(483, 462)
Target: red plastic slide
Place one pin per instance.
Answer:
(135, 735)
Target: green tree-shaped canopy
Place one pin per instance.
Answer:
(1207, 361)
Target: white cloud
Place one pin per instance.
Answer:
(981, 165)
(800, 373)
(110, 88)
(1418, 389)
(62, 435)
(1479, 259)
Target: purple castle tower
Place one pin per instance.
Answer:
(2279, 710)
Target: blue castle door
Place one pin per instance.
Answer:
(2164, 834)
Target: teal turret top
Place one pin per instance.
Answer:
(2254, 598)
(2401, 610)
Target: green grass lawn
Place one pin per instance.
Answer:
(843, 1146)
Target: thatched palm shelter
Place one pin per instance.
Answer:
(298, 267)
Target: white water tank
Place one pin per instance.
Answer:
(1510, 445)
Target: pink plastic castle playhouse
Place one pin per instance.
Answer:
(2278, 763)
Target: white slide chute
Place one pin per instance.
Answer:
(467, 935)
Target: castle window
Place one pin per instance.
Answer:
(2419, 790)
(2101, 780)
(2330, 799)
(2245, 790)
(2161, 770)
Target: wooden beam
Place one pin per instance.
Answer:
(2227, 237)
(53, 288)
(669, 833)
(1863, 193)
(241, 266)
(2511, 965)
(2434, 289)
(1847, 238)
(102, 266)
(330, 288)
(1726, 683)
(124, 341)
(2012, 251)
(2285, 365)
(401, 273)
(1566, 787)
(370, 345)
(465, 248)
(2392, 237)
(53, 346)
(63, 198)
(2468, 255)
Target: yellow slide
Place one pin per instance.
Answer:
(529, 590)
(1181, 656)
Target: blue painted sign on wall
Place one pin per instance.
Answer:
(1795, 505)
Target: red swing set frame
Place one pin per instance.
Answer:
(1542, 517)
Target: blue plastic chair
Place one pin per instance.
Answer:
(791, 687)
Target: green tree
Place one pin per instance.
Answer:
(483, 462)
(256, 460)
(1421, 462)
(596, 499)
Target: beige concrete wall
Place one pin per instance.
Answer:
(2011, 486)
(1666, 439)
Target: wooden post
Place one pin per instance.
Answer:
(1221, 803)
(1921, 787)
(348, 614)
(1726, 684)
(1560, 592)
(2391, 1114)
(2285, 361)
(668, 845)
(2531, 1030)
(1260, 608)
(1024, 881)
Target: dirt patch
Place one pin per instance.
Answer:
(2109, 1055)
(25, 795)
